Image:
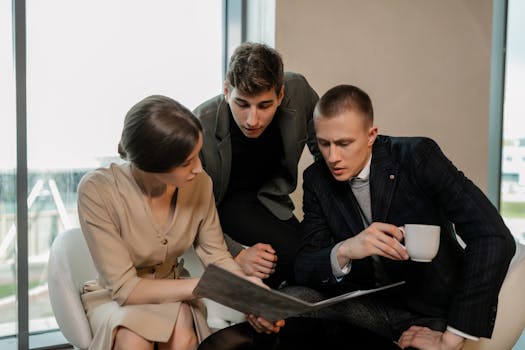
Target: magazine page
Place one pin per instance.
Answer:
(240, 294)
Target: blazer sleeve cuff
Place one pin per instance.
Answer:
(233, 246)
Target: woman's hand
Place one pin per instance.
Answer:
(253, 279)
(257, 281)
(258, 260)
(262, 325)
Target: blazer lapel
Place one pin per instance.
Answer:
(383, 181)
(347, 205)
(224, 147)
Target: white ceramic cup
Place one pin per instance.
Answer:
(421, 241)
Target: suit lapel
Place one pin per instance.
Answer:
(383, 180)
(224, 149)
(347, 205)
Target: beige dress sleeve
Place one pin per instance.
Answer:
(100, 224)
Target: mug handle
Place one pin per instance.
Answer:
(402, 229)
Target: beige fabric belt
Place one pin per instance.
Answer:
(166, 270)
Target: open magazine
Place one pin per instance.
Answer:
(240, 294)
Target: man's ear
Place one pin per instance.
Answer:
(372, 135)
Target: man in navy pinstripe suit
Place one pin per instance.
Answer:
(354, 201)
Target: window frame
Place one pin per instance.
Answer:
(497, 94)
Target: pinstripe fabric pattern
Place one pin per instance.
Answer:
(412, 181)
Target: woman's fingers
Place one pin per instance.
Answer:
(262, 325)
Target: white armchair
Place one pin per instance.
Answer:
(69, 266)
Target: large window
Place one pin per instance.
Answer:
(88, 62)
(513, 152)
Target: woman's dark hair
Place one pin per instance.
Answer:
(255, 68)
(159, 134)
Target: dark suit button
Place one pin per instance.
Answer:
(164, 241)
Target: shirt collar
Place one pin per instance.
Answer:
(365, 173)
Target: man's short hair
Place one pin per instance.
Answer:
(343, 98)
(255, 68)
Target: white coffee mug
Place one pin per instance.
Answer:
(421, 241)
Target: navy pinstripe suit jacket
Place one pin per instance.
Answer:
(412, 181)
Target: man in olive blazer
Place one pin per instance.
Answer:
(294, 116)
(254, 135)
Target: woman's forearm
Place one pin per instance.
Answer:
(158, 291)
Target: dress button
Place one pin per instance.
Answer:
(164, 241)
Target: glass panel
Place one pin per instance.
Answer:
(513, 158)
(88, 63)
(8, 317)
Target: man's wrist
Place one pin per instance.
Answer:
(452, 340)
(343, 253)
(338, 270)
(239, 255)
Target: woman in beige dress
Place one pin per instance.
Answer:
(138, 218)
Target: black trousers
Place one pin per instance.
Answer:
(380, 313)
(298, 333)
(248, 222)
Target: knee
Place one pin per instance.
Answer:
(184, 336)
(186, 341)
(127, 339)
